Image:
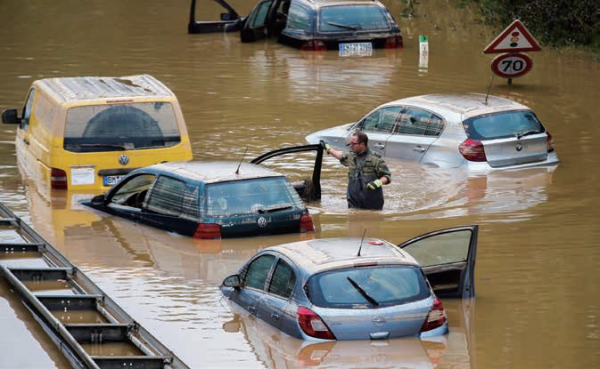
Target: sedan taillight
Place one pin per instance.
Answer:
(394, 42)
(436, 317)
(208, 231)
(472, 150)
(58, 179)
(312, 324)
(549, 142)
(306, 224)
(314, 45)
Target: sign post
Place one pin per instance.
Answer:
(511, 42)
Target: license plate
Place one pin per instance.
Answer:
(356, 49)
(111, 180)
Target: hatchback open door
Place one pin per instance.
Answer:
(447, 257)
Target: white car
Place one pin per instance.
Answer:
(472, 131)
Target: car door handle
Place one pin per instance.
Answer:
(419, 149)
(380, 145)
(252, 310)
(275, 316)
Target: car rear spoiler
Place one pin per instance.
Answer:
(309, 191)
(229, 22)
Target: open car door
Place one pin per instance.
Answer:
(309, 190)
(447, 257)
(229, 22)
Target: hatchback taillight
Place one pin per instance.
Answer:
(394, 42)
(549, 142)
(436, 317)
(472, 150)
(306, 223)
(208, 231)
(58, 178)
(314, 45)
(312, 324)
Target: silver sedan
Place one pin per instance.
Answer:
(472, 131)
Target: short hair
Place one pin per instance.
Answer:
(362, 137)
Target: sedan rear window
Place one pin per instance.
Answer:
(97, 128)
(260, 195)
(365, 287)
(352, 18)
(502, 125)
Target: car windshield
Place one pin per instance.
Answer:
(97, 128)
(502, 125)
(352, 18)
(252, 196)
(367, 287)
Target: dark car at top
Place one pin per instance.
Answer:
(353, 27)
(215, 199)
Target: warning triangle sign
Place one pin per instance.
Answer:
(513, 39)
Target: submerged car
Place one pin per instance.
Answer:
(352, 288)
(472, 131)
(214, 200)
(85, 133)
(354, 27)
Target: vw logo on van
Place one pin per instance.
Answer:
(123, 159)
(262, 222)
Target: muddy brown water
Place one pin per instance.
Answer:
(538, 301)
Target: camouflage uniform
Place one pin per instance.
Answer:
(362, 169)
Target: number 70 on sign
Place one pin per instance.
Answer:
(511, 65)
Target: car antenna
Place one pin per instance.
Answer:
(489, 88)
(237, 171)
(361, 242)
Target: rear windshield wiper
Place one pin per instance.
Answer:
(274, 208)
(526, 133)
(346, 26)
(362, 292)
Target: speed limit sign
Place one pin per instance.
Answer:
(511, 65)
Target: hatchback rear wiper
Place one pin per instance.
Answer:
(362, 292)
(526, 133)
(346, 26)
(274, 208)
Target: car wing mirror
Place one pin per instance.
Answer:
(98, 200)
(232, 281)
(10, 116)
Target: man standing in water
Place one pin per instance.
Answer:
(367, 172)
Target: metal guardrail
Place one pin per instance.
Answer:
(89, 328)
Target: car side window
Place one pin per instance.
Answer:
(419, 122)
(258, 271)
(382, 120)
(260, 16)
(132, 191)
(299, 18)
(282, 283)
(166, 196)
(27, 110)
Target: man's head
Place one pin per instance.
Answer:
(358, 142)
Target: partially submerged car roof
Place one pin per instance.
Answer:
(70, 89)
(213, 171)
(465, 105)
(330, 253)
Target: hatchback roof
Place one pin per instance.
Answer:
(467, 105)
(67, 89)
(215, 171)
(321, 3)
(330, 253)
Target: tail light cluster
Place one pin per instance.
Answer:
(394, 42)
(312, 324)
(549, 142)
(58, 179)
(314, 45)
(208, 231)
(436, 317)
(306, 223)
(472, 150)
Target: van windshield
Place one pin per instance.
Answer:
(135, 126)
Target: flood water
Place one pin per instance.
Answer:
(537, 303)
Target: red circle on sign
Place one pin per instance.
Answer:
(511, 65)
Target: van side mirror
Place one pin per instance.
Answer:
(10, 116)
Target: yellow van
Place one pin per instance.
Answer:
(85, 133)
